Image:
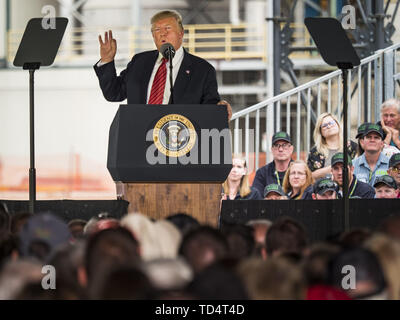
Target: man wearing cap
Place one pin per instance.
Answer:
(274, 192)
(360, 134)
(274, 172)
(394, 168)
(372, 162)
(325, 189)
(357, 188)
(385, 187)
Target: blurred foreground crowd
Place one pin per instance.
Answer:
(178, 258)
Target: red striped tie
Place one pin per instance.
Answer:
(157, 89)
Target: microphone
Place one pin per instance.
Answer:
(168, 51)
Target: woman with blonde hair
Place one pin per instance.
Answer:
(236, 186)
(297, 179)
(328, 140)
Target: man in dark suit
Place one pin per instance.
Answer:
(194, 78)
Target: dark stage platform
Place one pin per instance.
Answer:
(322, 218)
(72, 209)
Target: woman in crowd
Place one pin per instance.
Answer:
(328, 141)
(297, 179)
(236, 186)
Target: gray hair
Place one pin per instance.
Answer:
(391, 103)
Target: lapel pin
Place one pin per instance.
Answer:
(187, 71)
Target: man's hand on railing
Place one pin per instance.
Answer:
(228, 108)
(108, 48)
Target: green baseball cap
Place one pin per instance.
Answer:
(273, 187)
(323, 185)
(338, 158)
(281, 135)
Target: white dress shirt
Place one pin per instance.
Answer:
(176, 64)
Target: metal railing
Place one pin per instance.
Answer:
(209, 41)
(369, 85)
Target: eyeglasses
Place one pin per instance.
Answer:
(395, 169)
(284, 146)
(297, 173)
(328, 124)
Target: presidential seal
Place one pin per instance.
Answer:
(174, 135)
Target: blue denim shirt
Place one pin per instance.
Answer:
(363, 172)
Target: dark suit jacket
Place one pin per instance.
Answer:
(195, 83)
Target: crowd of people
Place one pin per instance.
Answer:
(373, 164)
(178, 258)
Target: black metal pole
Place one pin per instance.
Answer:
(171, 80)
(379, 25)
(32, 170)
(277, 57)
(345, 154)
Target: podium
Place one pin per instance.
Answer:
(171, 159)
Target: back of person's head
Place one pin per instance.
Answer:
(76, 227)
(168, 276)
(240, 240)
(315, 263)
(286, 235)
(215, 282)
(5, 222)
(354, 238)
(203, 246)
(126, 283)
(273, 279)
(18, 220)
(68, 261)
(183, 222)
(388, 252)
(359, 273)
(260, 228)
(158, 239)
(169, 238)
(391, 227)
(106, 250)
(17, 274)
(42, 234)
(9, 248)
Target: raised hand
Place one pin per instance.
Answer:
(108, 48)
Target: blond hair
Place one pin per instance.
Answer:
(319, 140)
(287, 187)
(244, 188)
(167, 14)
(159, 239)
(388, 252)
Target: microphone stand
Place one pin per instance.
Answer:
(170, 57)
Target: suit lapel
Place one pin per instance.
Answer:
(183, 77)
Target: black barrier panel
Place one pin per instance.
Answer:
(72, 209)
(322, 218)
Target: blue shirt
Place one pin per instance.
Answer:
(363, 172)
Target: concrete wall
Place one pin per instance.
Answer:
(3, 34)
(70, 115)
